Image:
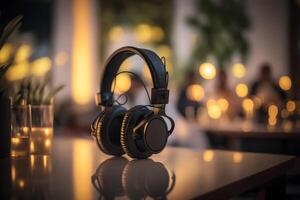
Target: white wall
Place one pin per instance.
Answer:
(268, 36)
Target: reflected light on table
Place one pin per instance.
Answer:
(82, 166)
(237, 157)
(208, 155)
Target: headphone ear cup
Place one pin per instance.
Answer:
(130, 120)
(108, 130)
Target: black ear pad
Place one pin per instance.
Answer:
(108, 130)
(130, 121)
(108, 177)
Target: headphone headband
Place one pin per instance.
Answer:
(159, 92)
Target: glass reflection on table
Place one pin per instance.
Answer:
(136, 179)
(30, 178)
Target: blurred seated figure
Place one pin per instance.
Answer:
(232, 106)
(267, 91)
(186, 105)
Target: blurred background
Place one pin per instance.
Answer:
(233, 65)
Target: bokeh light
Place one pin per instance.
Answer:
(248, 105)
(40, 66)
(241, 90)
(195, 92)
(17, 71)
(238, 70)
(23, 53)
(213, 109)
(116, 33)
(6, 52)
(291, 106)
(272, 110)
(285, 83)
(143, 33)
(208, 155)
(207, 70)
(123, 83)
(223, 103)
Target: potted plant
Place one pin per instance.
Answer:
(5, 123)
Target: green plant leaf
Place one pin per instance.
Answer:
(52, 94)
(12, 26)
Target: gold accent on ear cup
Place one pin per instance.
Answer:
(99, 126)
(123, 139)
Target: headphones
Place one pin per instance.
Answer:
(136, 179)
(139, 132)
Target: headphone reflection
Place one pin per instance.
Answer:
(136, 179)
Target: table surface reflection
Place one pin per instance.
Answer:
(78, 170)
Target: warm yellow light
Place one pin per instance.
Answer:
(223, 103)
(61, 58)
(241, 90)
(291, 106)
(23, 53)
(45, 161)
(164, 50)
(214, 111)
(207, 70)
(272, 110)
(17, 71)
(21, 183)
(157, 33)
(248, 104)
(238, 70)
(126, 65)
(285, 83)
(82, 162)
(6, 52)
(40, 66)
(82, 57)
(237, 157)
(31, 147)
(123, 83)
(208, 155)
(32, 161)
(116, 33)
(195, 92)
(147, 73)
(47, 143)
(15, 140)
(211, 102)
(13, 173)
(272, 121)
(143, 33)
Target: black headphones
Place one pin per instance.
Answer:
(139, 132)
(136, 179)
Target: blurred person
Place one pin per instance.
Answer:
(267, 90)
(223, 91)
(183, 101)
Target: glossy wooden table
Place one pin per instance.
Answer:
(77, 170)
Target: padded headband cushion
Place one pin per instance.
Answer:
(114, 62)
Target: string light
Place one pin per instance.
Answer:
(291, 106)
(223, 103)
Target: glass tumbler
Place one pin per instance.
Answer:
(42, 129)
